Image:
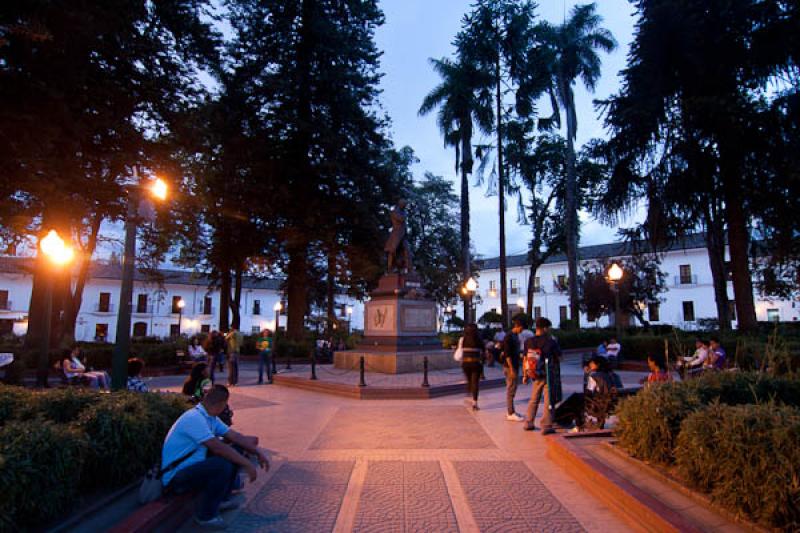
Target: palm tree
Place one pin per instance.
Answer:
(461, 105)
(573, 46)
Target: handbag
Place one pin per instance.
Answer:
(459, 353)
(151, 488)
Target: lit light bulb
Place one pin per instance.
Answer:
(615, 272)
(159, 189)
(55, 249)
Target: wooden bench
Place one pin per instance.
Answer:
(165, 514)
(184, 361)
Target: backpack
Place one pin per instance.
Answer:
(531, 359)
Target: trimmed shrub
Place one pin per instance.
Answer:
(748, 458)
(40, 470)
(125, 432)
(286, 348)
(649, 422)
(12, 401)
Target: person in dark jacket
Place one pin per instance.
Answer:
(544, 349)
(510, 359)
(590, 409)
(472, 348)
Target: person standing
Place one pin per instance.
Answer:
(264, 346)
(472, 349)
(233, 342)
(547, 376)
(216, 352)
(511, 369)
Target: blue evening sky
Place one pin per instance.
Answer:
(416, 30)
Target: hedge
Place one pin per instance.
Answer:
(748, 458)
(58, 444)
(650, 421)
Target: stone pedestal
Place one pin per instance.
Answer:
(399, 330)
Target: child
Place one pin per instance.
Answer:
(658, 370)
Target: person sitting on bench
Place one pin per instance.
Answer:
(206, 464)
(74, 370)
(591, 409)
(695, 363)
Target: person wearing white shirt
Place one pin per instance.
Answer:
(196, 352)
(695, 362)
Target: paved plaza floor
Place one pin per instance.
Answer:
(341, 464)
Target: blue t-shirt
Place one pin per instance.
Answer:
(189, 432)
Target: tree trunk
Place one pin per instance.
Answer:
(466, 163)
(297, 292)
(738, 242)
(331, 293)
(73, 307)
(236, 301)
(715, 244)
(224, 299)
(571, 222)
(501, 192)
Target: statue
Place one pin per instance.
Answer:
(399, 257)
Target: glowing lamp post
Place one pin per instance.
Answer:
(615, 274)
(349, 318)
(277, 308)
(181, 304)
(158, 190)
(468, 290)
(59, 254)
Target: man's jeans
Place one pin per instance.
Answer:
(265, 359)
(212, 478)
(233, 368)
(540, 389)
(214, 360)
(512, 378)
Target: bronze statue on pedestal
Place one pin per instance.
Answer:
(397, 248)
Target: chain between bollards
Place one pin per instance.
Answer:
(361, 382)
(313, 365)
(425, 372)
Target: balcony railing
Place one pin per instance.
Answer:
(6, 306)
(560, 287)
(207, 311)
(143, 309)
(513, 290)
(686, 280)
(103, 308)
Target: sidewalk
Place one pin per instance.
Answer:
(403, 465)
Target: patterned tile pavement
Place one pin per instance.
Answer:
(301, 496)
(505, 496)
(404, 497)
(423, 427)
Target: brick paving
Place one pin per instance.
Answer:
(398, 428)
(404, 497)
(505, 496)
(301, 496)
(341, 464)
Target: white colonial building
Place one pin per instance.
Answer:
(689, 296)
(156, 311)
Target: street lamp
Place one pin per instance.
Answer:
(59, 254)
(468, 290)
(349, 318)
(615, 274)
(119, 364)
(521, 305)
(181, 304)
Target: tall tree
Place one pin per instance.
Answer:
(574, 46)
(497, 37)
(463, 101)
(84, 89)
(709, 91)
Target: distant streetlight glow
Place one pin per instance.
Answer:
(472, 285)
(55, 249)
(277, 306)
(615, 272)
(520, 303)
(159, 189)
(181, 303)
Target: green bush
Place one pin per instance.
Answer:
(748, 458)
(55, 442)
(650, 421)
(286, 348)
(40, 471)
(125, 432)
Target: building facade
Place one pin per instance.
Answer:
(687, 300)
(156, 310)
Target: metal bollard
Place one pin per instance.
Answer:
(288, 360)
(425, 372)
(361, 383)
(313, 365)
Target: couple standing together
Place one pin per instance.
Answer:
(537, 355)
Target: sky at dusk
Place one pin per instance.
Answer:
(416, 30)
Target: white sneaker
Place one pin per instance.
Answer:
(234, 502)
(514, 417)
